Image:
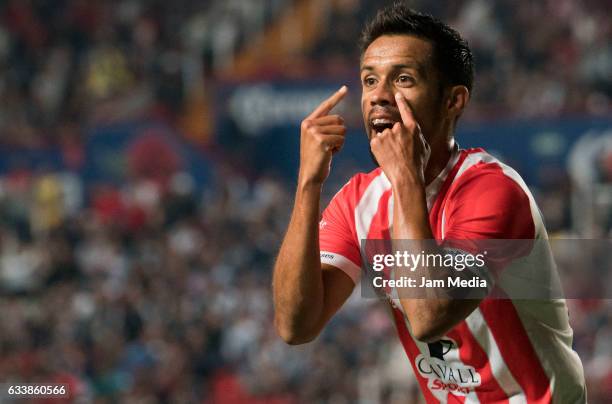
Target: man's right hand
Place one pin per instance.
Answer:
(321, 136)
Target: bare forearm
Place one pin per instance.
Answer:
(428, 317)
(410, 216)
(297, 283)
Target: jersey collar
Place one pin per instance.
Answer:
(431, 190)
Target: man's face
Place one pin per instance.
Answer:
(400, 63)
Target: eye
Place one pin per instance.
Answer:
(369, 81)
(405, 80)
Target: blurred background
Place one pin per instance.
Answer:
(148, 153)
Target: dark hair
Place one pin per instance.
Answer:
(452, 56)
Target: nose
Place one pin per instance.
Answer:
(382, 95)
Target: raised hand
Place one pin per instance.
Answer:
(402, 151)
(322, 135)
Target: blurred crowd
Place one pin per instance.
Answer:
(69, 63)
(542, 58)
(145, 294)
(152, 292)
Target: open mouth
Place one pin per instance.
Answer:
(380, 124)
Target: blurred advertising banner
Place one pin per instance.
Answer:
(114, 154)
(540, 148)
(140, 150)
(260, 121)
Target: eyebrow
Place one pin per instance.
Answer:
(412, 65)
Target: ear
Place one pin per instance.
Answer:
(457, 100)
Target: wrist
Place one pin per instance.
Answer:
(309, 185)
(408, 192)
(407, 182)
(404, 176)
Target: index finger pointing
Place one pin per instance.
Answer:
(405, 110)
(328, 104)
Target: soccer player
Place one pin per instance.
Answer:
(416, 77)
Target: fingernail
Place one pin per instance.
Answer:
(398, 96)
(343, 88)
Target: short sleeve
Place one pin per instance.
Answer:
(490, 206)
(337, 240)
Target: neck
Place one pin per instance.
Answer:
(440, 153)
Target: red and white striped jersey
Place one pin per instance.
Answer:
(514, 351)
